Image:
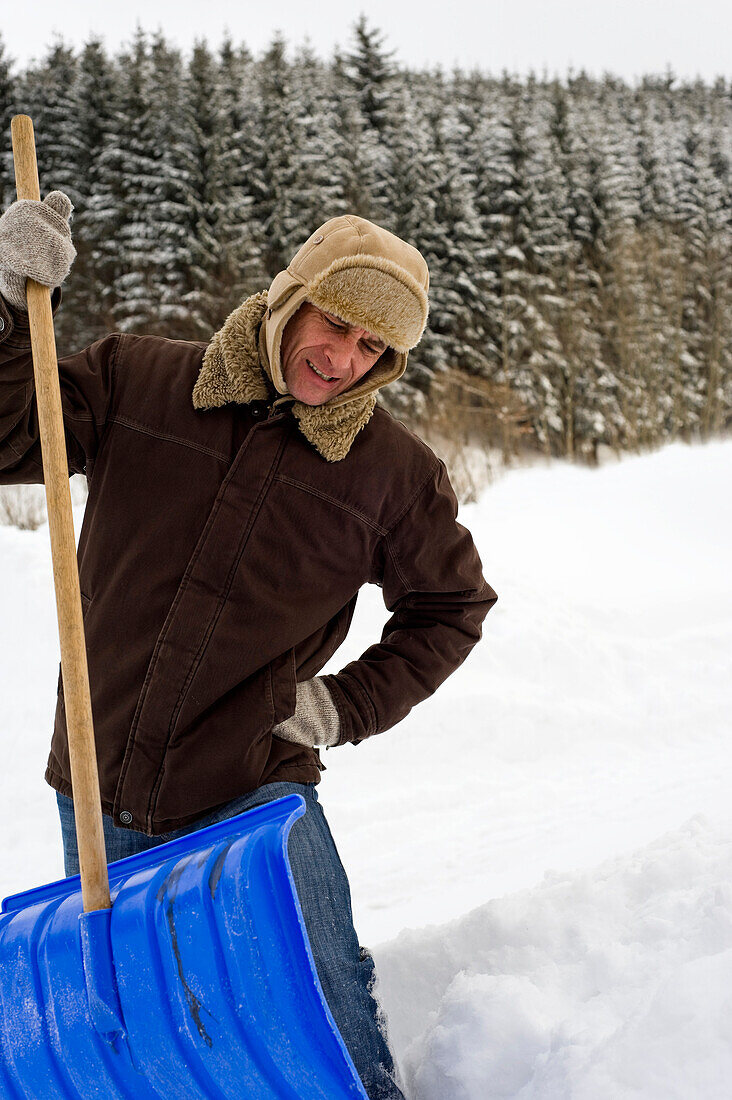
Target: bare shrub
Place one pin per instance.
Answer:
(23, 506)
(475, 426)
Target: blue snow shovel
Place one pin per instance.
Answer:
(179, 973)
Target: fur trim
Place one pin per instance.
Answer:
(333, 430)
(232, 372)
(376, 294)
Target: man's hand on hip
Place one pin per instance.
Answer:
(315, 721)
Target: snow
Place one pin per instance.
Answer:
(541, 854)
(600, 985)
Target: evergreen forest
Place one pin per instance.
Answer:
(577, 230)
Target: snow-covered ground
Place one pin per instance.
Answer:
(542, 853)
(611, 984)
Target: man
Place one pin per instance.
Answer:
(240, 495)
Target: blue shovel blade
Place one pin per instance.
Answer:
(199, 982)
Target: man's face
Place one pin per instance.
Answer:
(322, 356)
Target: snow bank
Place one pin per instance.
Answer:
(612, 984)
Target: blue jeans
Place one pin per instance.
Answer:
(345, 970)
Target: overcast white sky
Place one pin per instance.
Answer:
(626, 37)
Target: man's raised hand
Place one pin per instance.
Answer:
(35, 243)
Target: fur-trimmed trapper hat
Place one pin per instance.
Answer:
(366, 276)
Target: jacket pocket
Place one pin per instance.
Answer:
(283, 686)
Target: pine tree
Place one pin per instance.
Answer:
(410, 202)
(612, 188)
(46, 94)
(371, 73)
(171, 212)
(371, 70)
(238, 231)
(223, 254)
(88, 294)
(273, 169)
(642, 286)
(576, 371)
(524, 337)
(131, 191)
(698, 382)
(197, 199)
(356, 152)
(456, 253)
(317, 191)
(487, 160)
(7, 110)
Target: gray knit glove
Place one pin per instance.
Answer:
(35, 243)
(315, 721)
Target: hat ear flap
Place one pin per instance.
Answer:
(283, 287)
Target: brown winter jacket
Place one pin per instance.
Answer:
(220, 559)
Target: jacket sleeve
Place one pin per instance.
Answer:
(433, 586)
(86, 389)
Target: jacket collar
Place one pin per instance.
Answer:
(232, 371)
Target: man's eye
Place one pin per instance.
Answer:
(335, 324)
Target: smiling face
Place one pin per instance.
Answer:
(322, 356)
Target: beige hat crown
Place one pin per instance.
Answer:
(363, 274)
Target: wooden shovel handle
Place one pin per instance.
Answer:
(84, 774)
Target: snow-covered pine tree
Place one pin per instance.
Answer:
(172, 213)
(612, 209)
(46, 94)
(717, 411)
(7, 110)
(371, 70)
(238, 233)
(356, 150)
(570, 304)
(520, 224)
(647, 277)
(699, 379)
(317, 186)
(193, 304)
(372, 74)
(457, 255)
(151, 162)
(88, 297)
(223, 263)
(273, 167)
(130, 180)
(409, 201)
(487, 161)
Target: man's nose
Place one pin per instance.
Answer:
(340, 350)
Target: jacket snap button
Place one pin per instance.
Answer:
(2, 324)
(126, 817)
(318, 239)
